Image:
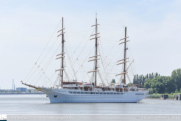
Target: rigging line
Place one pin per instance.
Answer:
(51, 58)
(112, 67)
(38, 79)
(132, 57)
(82, 68)
(38, 74)
(81, 42)
(83, 75)
(128, 78)
(47, 77)
(47, 80)
(83, 47)
(67, 67)
(103, 67)
(48, 62)
(67, 76)
(56, 80)
(49, 51)
(100, 40)
(43, 50)
(67, 38)
(109, 51)
(71, 64)
(122, 72)
(81, 51)
(131, 69)
(32, 74)
(42, 60)
(85, 72)
(70, 70)
(79, 54)
(52, 75)
(85, 60)
(78, 57)
(51, 37)
(91, 79)
(121, 77)
(101, 76)
(110, 61)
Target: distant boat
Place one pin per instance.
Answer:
(82, 92)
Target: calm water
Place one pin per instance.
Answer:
(39, 104)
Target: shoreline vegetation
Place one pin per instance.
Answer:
(158, 85)
(157, 96)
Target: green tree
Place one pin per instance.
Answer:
(113, 81)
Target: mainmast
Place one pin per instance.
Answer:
(124, 81)
(96, 45)
(124, 60)
(95, 57)
(61, 55)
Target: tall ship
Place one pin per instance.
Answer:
(73, 91)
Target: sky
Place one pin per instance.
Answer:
(28, 35)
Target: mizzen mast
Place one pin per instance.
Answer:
(95, 57)
(124, 60)
(61, 55)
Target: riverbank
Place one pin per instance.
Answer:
(157, 96)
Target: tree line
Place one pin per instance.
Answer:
(160, 84)
(140, 80)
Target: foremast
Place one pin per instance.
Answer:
(61, 55)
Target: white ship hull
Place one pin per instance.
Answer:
(78, 96)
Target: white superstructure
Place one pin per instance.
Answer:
(79, 96)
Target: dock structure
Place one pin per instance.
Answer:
(163, 97)
(177, 97)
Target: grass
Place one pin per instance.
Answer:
(171, 96)
(154, 96)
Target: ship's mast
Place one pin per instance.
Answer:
(125, 55)
(124, 60)
(95, 57)
(62, 63)
(61, 55)
(96, 46)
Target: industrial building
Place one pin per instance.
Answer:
(21, 89)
